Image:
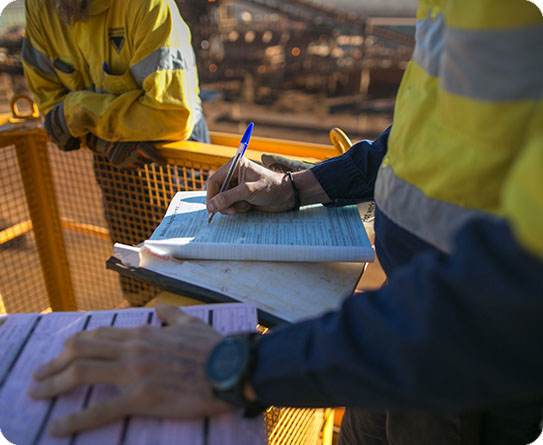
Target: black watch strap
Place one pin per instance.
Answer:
(251, 408)
(230, 388)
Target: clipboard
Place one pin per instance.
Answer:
(282, 292)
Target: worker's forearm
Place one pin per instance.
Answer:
(127, 117)
(311, 191)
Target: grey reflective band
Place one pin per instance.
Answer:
(162, 59)
(490, 65)
(37, 59)
(430, 219)
(429, 44)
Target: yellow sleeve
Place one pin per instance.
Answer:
(41, 78)
(163, 103)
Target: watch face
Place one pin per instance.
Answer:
(226, 363)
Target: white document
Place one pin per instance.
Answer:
(315, 233)
(29, 340)
(290, 291)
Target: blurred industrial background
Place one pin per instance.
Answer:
(296, 68)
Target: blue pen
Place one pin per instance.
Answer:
(235, 161)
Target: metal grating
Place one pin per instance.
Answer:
(294, 426)
(22, 288)
(84, 229)
(100, 205)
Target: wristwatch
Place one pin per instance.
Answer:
(229, 368)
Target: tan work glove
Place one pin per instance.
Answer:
(125, 155)
(57, 129)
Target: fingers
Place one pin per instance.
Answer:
(79, 372)
(78, 347)
(131, 155)
(172, 315)
(243, 206)
(150, 154)
(224, 202)
(215, 181)
(94, 416)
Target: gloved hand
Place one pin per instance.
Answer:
(283, 164)
(127, 155)
(57, 129)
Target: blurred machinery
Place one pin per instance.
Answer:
(272, 45)
(255, 49)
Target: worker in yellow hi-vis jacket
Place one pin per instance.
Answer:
(114, 77)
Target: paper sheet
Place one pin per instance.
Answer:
(315, 233)
(28, 340)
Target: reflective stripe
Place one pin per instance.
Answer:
(489, 65)
(162, 59)
(37, 59)
(495, 65)
(429, 44)
(430, 219)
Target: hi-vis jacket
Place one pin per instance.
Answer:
(467, 138)
(126, 73)
(458, 229)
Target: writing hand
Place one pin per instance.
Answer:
(252, 186)
(159, 371)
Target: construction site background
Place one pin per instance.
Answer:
(295, 68)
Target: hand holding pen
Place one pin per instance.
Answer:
(235, 161)
(232, 190)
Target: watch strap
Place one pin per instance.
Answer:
(235, 394)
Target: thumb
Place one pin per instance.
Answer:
(171, 315)
(225, 202)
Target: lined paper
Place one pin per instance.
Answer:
(315, 233)
(29, 340)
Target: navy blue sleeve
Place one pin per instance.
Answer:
(449, 332)
(350, 178)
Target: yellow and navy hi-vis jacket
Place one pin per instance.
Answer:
(459, 325)
(128, 72)
(471, 100)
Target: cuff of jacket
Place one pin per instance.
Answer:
(339, 175)
(281, 376)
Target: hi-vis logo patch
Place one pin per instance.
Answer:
(116, 38)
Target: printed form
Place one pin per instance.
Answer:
(315, 233)
(29, 340)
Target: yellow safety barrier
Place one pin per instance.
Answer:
(54, 238)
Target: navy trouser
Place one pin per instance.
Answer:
(510, 425)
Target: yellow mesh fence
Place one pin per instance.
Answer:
(22, 288)
(294, 426)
